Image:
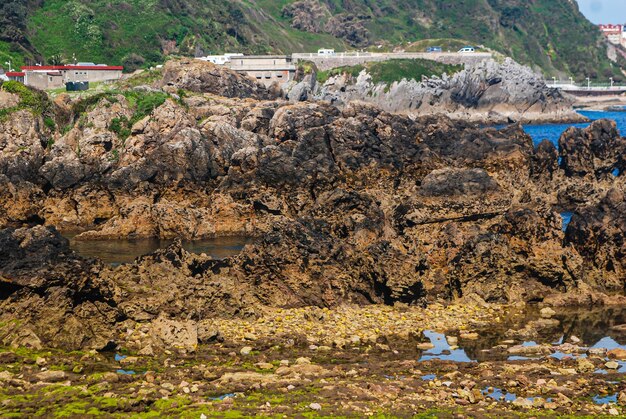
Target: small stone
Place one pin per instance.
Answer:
(563, 400)
(315, 406)
(425, 346)
(617, 353)
(547, 312)
(584, 365)
(168, 386)
(452, 340)
(522, 402)
(622, 398)
(612, 365)
(469, 335)
(146, 351)
(303, 361)
(574, 339)
(290, 387)
(264, 365)
(245, 350)
(51, 376)
(249, 336)
(41, 361)
(597, 351)
(186, 390)
(203, 416)
(284, 363)
(129, 360)
(613, 412)
(355, 340)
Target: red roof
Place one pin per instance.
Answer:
(15, 74)
(71, 67)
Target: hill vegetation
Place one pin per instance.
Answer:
(394, 70)
(549, 34)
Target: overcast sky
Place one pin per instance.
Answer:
(604, 11)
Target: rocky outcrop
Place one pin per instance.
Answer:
(204, 77)
(306, 15)
(315, 17)
(351, 204)
(489, 92)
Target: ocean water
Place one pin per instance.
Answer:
(553, 132)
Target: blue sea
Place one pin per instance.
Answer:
(553, 132)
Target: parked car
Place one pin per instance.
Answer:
(325, 52)
(434, 49)
(466, 50)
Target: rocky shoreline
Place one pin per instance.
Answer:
(348, 206)
(488, 93)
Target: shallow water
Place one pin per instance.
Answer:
(594, 329)
(116, 252)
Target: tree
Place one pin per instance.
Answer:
(132, 62)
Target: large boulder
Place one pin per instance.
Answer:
(204, 77)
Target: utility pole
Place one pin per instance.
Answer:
(588, 83)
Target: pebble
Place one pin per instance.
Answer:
(303, 361)
(584, 365)
(51, 376)
(469, 335)
(315, 406)
(547, 312)
(245, 350)
(264, 365)
(41, 361)
(612, 365)
(617, 353)
(613, 412)
(425, 346)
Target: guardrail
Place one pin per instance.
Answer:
(583, 87)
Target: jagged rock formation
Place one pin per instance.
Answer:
(347, 205)
(489, 92)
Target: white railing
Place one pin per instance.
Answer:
(585, 86)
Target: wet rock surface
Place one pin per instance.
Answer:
(347, 361)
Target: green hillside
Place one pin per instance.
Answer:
(549, 34)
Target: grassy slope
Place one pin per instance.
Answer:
(551, 34)
(394, 70)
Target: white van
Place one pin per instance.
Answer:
(466, 50)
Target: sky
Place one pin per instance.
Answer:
(604, 11)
